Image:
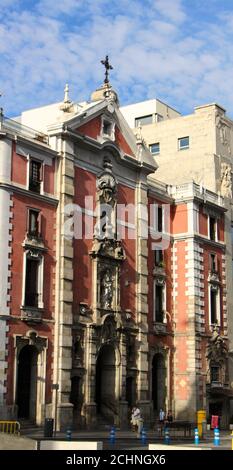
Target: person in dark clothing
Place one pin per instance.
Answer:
(169, 416)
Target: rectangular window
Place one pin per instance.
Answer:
(212, 228)
(154, 148)
(159, 303)
(183, 143)
(158, 257)
(213, 306)
(143, 120)
(160, 219)
(107, 128)
(33, 222)
(213, 263)
(35, 176)
(31, 286)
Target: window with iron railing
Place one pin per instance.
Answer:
(35, 176)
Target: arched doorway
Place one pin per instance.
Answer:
(27, 382)
(106, 383)
(158, 382)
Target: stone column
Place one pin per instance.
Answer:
(141, 202)
(227, 284)
(90, 377)
(123, 404)
(64, 288)
(5, 269)
(188, 315)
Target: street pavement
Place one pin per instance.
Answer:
(126, 440)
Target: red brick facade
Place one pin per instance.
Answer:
(162, 321)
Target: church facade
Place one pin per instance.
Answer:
(113, 285)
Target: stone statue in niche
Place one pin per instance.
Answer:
(119, 251)
(108, 331)
(96, 246)
(107, 289)
(226, 180)
(106, 183)
(78, 352)
(216, 349)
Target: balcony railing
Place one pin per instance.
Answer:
(190, 190)
(34, 186)
(216, 384)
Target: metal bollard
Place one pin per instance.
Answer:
(196, 436)
(68, 434)
(143, 436)
(166, 436)
(216, 437)
(232, 441)
(112, 436)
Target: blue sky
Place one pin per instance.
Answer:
(179, 51)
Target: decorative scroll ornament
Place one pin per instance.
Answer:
(108, 248)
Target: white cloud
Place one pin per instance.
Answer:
(171, 9)
(153, 46)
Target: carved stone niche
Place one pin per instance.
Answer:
(106, 203)
(78, 351)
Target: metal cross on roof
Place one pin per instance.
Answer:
(107, 68)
